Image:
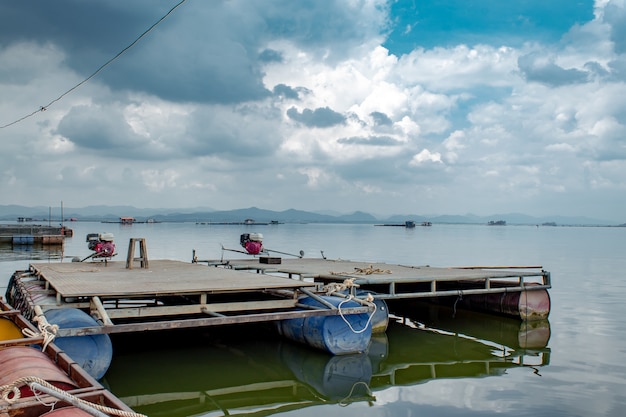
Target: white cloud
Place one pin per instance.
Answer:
(425, 156)
(194, 106)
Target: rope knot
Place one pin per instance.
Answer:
(46, 330)
(339, 287)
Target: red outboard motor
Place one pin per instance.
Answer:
(101, 243)
(252, 242)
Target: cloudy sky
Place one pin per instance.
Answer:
(390, 107)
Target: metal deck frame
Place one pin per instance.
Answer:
(400, 281)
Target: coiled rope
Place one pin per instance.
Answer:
(339, 287)
(11, 393)
(364, 271)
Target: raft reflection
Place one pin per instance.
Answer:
(250, 371)
(10, 252)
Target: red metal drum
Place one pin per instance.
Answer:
(67, 412)
(23, 361)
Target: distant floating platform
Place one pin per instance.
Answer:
(29, 234)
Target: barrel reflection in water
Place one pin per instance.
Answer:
(251, 368)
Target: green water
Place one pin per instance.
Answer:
(432, 361)
(250, 370)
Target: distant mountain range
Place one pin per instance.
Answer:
(203, 214)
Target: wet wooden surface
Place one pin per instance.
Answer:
(379, 273)
(164, 277)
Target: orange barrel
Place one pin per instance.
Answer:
(23, 361)
(9, 330)
(527, 305)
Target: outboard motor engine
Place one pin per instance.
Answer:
(101, 243)
(252, 242)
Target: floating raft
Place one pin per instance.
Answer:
(169, 295)
(519, 291)
(33, 234)
(248, 290)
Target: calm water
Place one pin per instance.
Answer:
(434, 362)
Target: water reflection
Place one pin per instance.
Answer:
(456, 351)
(10, 252)
(248, 370)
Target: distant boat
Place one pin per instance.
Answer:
(427, 224)
(409, 224)
(497, 223)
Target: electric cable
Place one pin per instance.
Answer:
(44, 108)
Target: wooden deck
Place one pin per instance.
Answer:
(401, 281)
(167, 295)
(164, 277)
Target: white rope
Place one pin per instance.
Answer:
(370, 298)
(47, 330)
(339, 287)
(12, 388)
(6, 394)
(344, 402)
(364, 271)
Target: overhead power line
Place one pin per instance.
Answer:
(44, 108)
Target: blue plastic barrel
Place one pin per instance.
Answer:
(380, 320)
(92, 352)
(23, 239)
(335, 334)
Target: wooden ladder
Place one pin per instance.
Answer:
(143, 253)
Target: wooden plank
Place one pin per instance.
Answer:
(206, 322)
(136, 312)
(96, 304)
(21, 342)
(8, 313)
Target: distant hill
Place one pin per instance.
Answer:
(200, 214)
